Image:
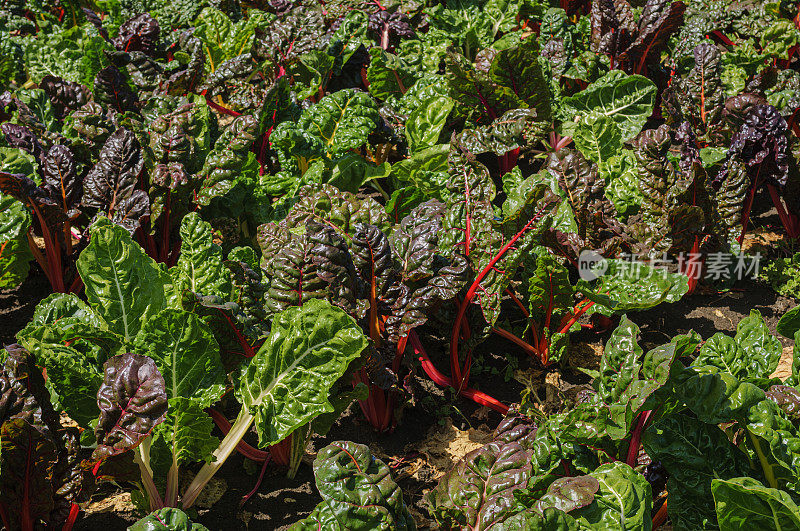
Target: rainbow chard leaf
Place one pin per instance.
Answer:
(694, 454)
(517, 481)
(132, 401)
(111, 89)
(229, 164)
(110, 187)
(41, 472)
(308, 349)
(186, 354)
(23, 393)
(627, 100)
(200, 268)
(357, 490)
(314, 264)
(28, 461)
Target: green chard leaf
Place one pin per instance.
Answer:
(627, 100)
(200, 268)
(746, 502)
(125, 285)
(286, 384)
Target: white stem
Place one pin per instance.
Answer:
(156, 502)
(171, 496)
(221, 454)
(144, 453)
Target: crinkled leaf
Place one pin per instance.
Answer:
(762, 349)
(15, 255)
(200, 268)
(124, 284)
(389, 75)
(424, 125)
(745, 501)
(623, 286)
(186, 354)
(314, 264)
(23, 394)
(74, 377)
(627, 100)
(287, 383)
(342, 210)
(132, 401)
(110, 185)
(185, 436)
(623, 500)
(358, 492)
(598, 137)
(693, 453)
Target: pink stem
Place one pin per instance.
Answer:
(258, 483)
(442, 380)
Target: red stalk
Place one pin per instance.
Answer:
(37, 254)
(149, 243)
(543, 342)
(258, 483)
(438, 378)
(636, 438)
(508, 161)
(789, 221)
(388, 416)
(76, 286)
(694, 280)
(517, 302)
(661, 516)
(385, 36)
(364, 79)
(703, 99)
(368, 406)
(454, 361)
(721, 37)
(563, 142)
(74, 510)
(748, 206)
(262, 151)
(248, 350)
(219, 108)
(243, 448)
(282, 452)
(400, 85)
(53, 252)
(530, 349)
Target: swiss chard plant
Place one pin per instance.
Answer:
(646, 417)
(357, 490)
(140, 370)
(253, 214)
